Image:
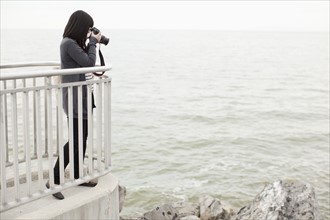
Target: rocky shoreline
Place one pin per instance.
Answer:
(280, 200)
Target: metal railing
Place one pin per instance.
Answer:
(34, 128)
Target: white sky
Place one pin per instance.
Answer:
(275, 15)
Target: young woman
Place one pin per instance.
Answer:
(75, 54)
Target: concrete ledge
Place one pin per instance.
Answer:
(100, 202)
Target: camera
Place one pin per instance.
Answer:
(104, 39)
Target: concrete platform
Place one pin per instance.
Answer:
(100, 202)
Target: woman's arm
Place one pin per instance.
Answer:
(80, 56)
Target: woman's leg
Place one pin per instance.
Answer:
(57, 165)
(76, 145)
(75, 150)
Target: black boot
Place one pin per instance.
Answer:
(57, 195)
(88, 184)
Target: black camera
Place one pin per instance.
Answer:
(104, 39)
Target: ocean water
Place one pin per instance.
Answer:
(208, 112)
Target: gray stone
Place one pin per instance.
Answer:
(131, 218)
(212, 209)
(164, 212)
(190, 217)
(281, 201)
(186, 209)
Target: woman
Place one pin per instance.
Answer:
(75, 54)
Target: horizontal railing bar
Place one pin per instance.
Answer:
(9, 164)
(63, 85)
(52, 72)
(32, 64)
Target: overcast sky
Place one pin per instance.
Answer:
(219, 15)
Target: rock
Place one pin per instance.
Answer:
(282, 200)
(164, 212)
(122, 195)
(190, 217)
(131, 218)
(212, 209)
(186, 209)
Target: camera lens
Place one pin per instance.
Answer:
(104, 40)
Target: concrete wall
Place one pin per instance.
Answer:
(100, 202)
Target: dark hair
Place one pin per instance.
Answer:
(78, 26)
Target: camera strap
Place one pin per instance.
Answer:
(102, 64)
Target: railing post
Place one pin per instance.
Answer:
(109, 124)
(48, 133)
(70, 117)
(90, 129)
(3, 141)
(47, 99)
(38, 138)
(34, 121)
(99, 125)
(15, 143)
(106, 126)
(60, 133)
(27, 140)
(5, 121)
(80, 130)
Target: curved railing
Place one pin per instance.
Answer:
(33, 130)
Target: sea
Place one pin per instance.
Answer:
(221, 113)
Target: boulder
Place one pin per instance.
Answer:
(164, 212)
(212, 209)
(282, 200)
(190, 217)
(186, 209)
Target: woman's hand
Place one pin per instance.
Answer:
(97, 36)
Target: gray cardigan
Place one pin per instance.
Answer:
(73, 56)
